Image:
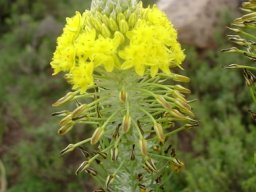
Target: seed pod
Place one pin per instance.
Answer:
(181, 104)
(132, 157)
(91, 171)
(78, 111)
(176, 165)
(160, 99)
(123, 96)
(139, 125)
(142, 187)
(97, 135)
(69, 96)
(85, 153)
(103, 155)
(231, 50)
(159, 132)
(126, 123)
(140, 177)
(109, 180)
(191, 125)
(178, 95)
(156, 148)
(143, 146)
(176, 114)
(180, 78)
(150, 165)
(184, 107)
(158, 180)
(65, 128)
(168, 148)
(147, 169)
(83, 166)
(99, 190)
(66, 120)
(69, 148)
(234, 29)
(182, 89)
(60, 113)
(250, 78)
(116, 133)
(173, 152)
(114, 153)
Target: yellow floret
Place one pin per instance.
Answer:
(105, 53)
(143, 40)
(151, 46)
(81, 76)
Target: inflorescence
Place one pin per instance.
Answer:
(118, 58)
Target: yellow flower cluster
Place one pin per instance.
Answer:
(143, 40)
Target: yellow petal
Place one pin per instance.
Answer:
(140, 69)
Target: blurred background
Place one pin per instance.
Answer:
(218, 154)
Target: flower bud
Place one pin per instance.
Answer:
(105, 20)
(132, 19)
(126, 123)
(105, 31)
(159, 132)
(124, 27)
(113, 25)
(120, 17)
(95, 23)
(119, 38)
(97, 135)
